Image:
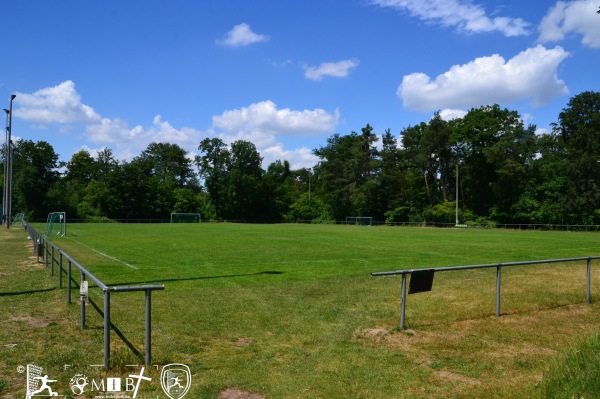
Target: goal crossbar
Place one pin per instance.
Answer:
(179, 217)
(56, 218)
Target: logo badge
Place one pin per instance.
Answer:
(78, 383)
(175, 380)
(38, 384)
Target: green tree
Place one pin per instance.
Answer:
(278, 183)
(578, 129)
(102, 196)
(430, 162)
(348, 173)
(541, 201)
(34, 173)
(212, 165)
(497, 155)
(170, 165)
(392, 180)
(245, 190)
(79, 172)
(233, 178)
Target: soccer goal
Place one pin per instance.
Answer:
(360, 220)
(19, 218)
(185, 218)
(57, 221)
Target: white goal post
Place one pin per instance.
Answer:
(360, 220)
(56, 219)
(177, 217)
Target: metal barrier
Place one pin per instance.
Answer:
(49, 251)
(498, 267)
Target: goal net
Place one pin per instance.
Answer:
(56, 224)
(185, 218)
(360, 220)
(19, 218)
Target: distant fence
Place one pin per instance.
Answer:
(422, 279)
(489, 225)
(55, 257)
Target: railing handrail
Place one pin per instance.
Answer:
(86, 274)
(498, 267)
(483, 266)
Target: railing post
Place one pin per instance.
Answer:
(82, 313)
(589, 281)
(69, 282)
(52, 261)
(403, 304)
(106, 328)
(148, 327)
(46, 252)
(60, 269)
(498, 284)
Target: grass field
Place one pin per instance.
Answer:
(291, 311)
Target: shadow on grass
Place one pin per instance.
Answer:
(27, 292)
(269, 272)
(128, 343)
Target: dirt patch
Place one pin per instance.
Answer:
(470, 354)
(34, 322)
(235, 393)
(375, 334)
(448, 375)
(241, 342)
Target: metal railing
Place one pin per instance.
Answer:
(54, 256)
(498, 266)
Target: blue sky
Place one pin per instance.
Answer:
(283, 74)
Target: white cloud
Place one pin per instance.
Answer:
(542, 131)
(185, 137)
(449, 114)
(263, 123)
(298, 158)
(339, 69)
(578, 17)
(264, 117)
(129, 142)
(463, 15)
(486, 80)
(111, 131)
(241, 35)
(58, 104)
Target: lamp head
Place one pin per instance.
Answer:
(12, 97)
(7, 111)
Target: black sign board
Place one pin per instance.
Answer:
(421, 281)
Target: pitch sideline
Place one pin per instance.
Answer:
(105, 255)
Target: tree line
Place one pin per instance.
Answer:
(498, 169)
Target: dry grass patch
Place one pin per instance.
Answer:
(491, 356)
(235, 393)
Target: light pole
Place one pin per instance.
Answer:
(456, 198)
(5, 185)
(7, 198)
(309, 173)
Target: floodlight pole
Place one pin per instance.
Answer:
(7, 207)
(5, 185)
(309, 173)
(456, 198)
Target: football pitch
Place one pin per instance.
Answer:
(291, 311)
